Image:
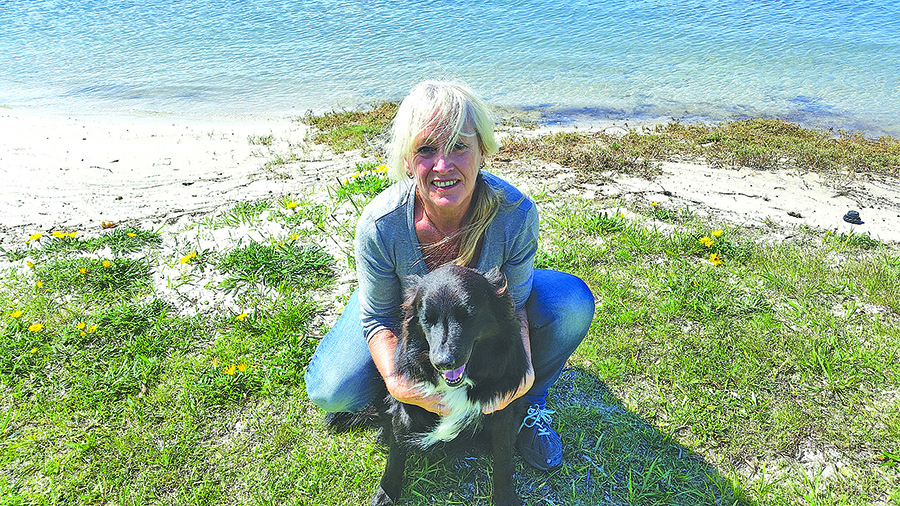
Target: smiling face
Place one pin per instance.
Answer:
(445, 169)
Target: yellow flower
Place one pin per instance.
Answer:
(717, 233)
(82, 270)
(39, 284)
(92, 329)
(355, 175)
(35, 327)
(241, 317)
(131, 234)
(242, 367)
(187, 258)
(71, 234)
(106, 263)
(36, 237)
(17, 314)
(653, 204)
(294, 237)
(290, 205)
(83, 334)
(33, 351)
(215, 362)
(230, 370)
(29, 264)
(715, 259)
(706, 241)
(81, 325)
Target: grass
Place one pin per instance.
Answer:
(346, 130)
(763, 144)
(721, 367)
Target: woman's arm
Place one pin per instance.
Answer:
(501, 402)
(382, 346)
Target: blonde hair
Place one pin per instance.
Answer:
(446, 108)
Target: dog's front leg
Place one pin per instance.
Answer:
(392, 479)
(503, 437)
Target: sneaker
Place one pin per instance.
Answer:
(539, 444)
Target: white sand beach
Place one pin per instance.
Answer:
(74, 173)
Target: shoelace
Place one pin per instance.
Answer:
(540, 417)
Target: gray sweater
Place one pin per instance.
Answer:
(388, 251)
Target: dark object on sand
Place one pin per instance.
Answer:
(853, 217)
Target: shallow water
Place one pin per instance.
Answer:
(828, 63)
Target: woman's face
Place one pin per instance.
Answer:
(446, 177)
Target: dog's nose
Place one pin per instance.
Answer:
(444, 363)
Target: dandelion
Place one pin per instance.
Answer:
(294, 237)
(35, 327)
(33, 351)
(39, 284)
(29, 263)
(17, 314)
(706, 241)
(92, 329)
(715, 259)
(653, 204)
(82, 270)
(71, 234)
(381, 168)
(106, 263)
(131, 234)
(35, 237)
(242, 367)
(230, 370)
(717, 233)
(80, 325)
(241, 317)
(290, 205)
(59, 234)
(187, 258)
(215, 362)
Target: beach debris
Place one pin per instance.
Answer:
(853, 217)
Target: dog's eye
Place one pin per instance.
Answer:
(431, 316)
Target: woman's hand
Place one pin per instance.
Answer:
(504, 400)
(501, 402)
(382, 346)
(406, 392)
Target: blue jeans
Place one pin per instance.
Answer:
(342, 377)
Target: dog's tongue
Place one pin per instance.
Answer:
(454, 375)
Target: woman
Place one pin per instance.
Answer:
(447, 209)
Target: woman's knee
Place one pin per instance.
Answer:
(561, 300)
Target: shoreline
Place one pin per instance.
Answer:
(74, 172)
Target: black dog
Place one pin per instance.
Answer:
(462, 339)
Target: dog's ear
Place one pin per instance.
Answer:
(411, 304)
(497, 279)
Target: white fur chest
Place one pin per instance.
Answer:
(463, 412)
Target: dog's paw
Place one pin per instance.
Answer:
(382, 499)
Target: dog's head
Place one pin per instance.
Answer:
(449, 310)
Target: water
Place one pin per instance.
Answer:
(827, 63)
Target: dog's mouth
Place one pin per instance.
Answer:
(454, 377)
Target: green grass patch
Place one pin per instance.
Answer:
(283, 266)
(757, 143)
(346, 130)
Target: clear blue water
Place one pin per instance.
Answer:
(828, 63)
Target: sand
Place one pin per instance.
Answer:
(73, 173)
